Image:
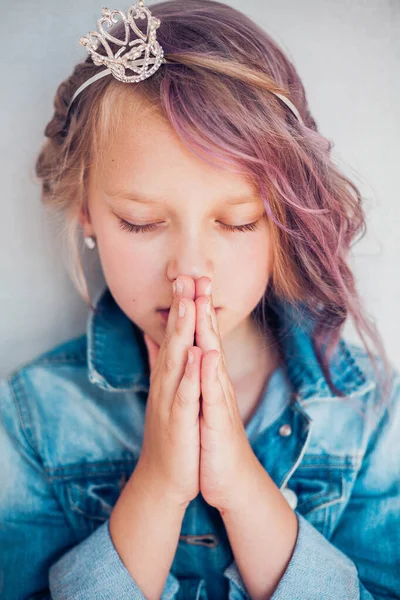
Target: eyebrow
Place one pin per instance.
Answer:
(143, 199)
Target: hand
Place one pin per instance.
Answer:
(169, 460)
(227, 460)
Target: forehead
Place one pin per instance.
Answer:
(140, 150)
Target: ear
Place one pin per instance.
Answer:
(85, 222)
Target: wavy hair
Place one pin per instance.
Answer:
(215, 91)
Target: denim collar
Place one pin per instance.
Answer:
(117, 354)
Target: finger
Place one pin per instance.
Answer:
(214, 321)
(187, 398)
(207, 334)
(203, 286)
(171, 326)
(208, 338)
(184, 289)
(215, 407)
(179, 337)
(215, 329)
(153, 349)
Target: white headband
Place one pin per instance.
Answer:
(132, 59)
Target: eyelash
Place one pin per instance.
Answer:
(132, 228)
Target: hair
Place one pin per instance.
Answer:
(215, 91)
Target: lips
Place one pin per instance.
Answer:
(167, 309)
(164, 315)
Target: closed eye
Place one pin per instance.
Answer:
(133, 228)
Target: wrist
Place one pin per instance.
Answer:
(155, 492)
(253, 483)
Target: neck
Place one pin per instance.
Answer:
(248, 349)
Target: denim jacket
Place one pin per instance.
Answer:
(71, 429)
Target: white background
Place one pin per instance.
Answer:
(348, 55)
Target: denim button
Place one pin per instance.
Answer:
(285, 430)
(290, 497)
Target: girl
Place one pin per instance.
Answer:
(211, 435)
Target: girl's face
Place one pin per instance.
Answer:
(149, 177)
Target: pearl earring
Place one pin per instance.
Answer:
(90, 242)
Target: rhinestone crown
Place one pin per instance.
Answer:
(144, 43)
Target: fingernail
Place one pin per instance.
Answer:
(208, 289)
(178, 287)
(208, 307)
(182, 309)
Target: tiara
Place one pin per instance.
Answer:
(131, 51)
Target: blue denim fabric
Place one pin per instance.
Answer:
(71, 431)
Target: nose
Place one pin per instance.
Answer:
(193, 255)
(195, 272)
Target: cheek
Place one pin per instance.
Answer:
(253, 259)
(249, 278)
(129, 269)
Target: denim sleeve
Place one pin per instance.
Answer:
(362, 559)
(93, 569)
(39, 555)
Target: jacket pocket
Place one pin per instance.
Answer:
(322, 486)
(88, 498)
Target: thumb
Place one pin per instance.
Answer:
(153, 349)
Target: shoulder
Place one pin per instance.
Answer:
(378, 387)
(347, 425)
(35, 398)
(72, 351)
(377, 398)
(381, 404)
(379, 474)
(66, 358)
(52, 407)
